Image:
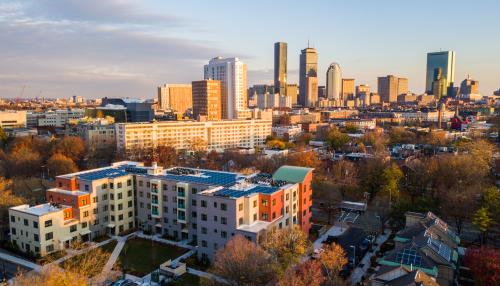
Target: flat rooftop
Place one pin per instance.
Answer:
(255, 227)
(39, 210)
(232, 192)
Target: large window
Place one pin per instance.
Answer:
(48, 223)
(49, 236)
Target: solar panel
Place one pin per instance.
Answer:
(409, 256)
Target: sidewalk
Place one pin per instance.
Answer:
(20, 261)
(358, 272)
(182, 243)
(115, 254)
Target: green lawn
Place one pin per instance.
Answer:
(140, 256)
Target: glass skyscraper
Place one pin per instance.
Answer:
(443, 60)
(280, 58)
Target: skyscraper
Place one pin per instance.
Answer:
(311, 91)
(280, 58)
(469, 86)
(176, 97)
(233, 76)
(446, 62)
(348, 89)
(207, 99)
(334, 82)
(308, 68)
(388, 88)
(438, 84)
(402, 86)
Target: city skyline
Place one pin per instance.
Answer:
(94, 49)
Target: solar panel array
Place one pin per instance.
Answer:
(205, 177)
(101, 174)
(442, 249)
(409, 256)
(233, 193)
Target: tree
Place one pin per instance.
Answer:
(490, 199)
(482, 219)
(304, 159)
(50, 276)
(370, 175)
(24, 162)
(484, 264)
(286, 245)
(336, 139)
(7, 200)
(243, 263)
(333, 258)
(308, 273)
(276, 144)
(59, 164)
(167, 156)
(70, 146)
(399, 135)
(88, 264)
(3, 137)
(391, 177)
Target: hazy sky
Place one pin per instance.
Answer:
(97, 48)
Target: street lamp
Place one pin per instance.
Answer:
(354, 256)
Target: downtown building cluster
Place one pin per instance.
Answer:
(204, 206)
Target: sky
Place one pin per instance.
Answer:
(121, 48)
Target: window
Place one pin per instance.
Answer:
(255, 203)
(49, 248)
(165, 198)
(85, 213)
(287, 197)
(48, 223)
(223, 234)
(104, 186)
(165, 187)
(72, 228)
(223, 207)
(49, 236)
(274, 202)
(129, 193)
(193, 203)
(215, 218)
(120, 217)
(148, 185)
(264, 203)
(111, 186)
(204, 217)
(120, 196)
(254, 217)
(35, 224)
(274, 215)
(35, 237)
(130, 204)
(129, 182)
(26, 222)
(194, 214)
(148, 195)
(94, 200)
(12, 218)
(215, 204)
(223, 220)
(104, 197)
(94, 211)
(120, 207)
(240, 221)
(140, 183)
(203, 204)
(84, 224)
(130, 214)
(13, 231)
(106, 208)
(119, 185)
(204, 243)
(240, 207)
(194, 191)
(264, 216)
(86, 187)
(111, 196)
(141, 194)
(112, 218)
(204, 230)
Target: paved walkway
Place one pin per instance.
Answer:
(20, 261)
(77, 252)
(182, 243)
(115, 254)
(358, 272)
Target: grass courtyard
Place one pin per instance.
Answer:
(91, 262)
(188, 280)
(141, 256)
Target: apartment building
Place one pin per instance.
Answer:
(217, 135)
(205, 206)
(12, 119)
(53, 118)
(84, 205)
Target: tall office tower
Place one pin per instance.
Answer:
(280, 58)
(322, 91)
(207, 99)
(402, 86)
(334, 82)
(292, 90)
(308, 68)
(438, 84)
(233, 76)
(347, 89)
(312, 91)
(469, 86)
(362, 89)
(444, 60)
(388, 88)
(176, 97)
